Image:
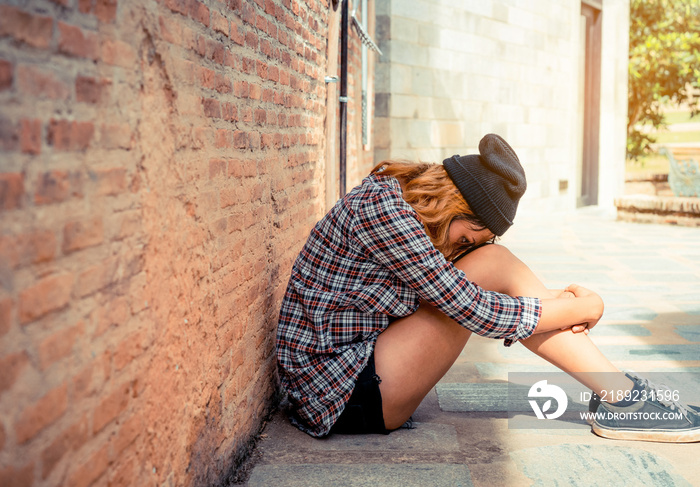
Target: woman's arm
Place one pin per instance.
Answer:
(581, 312)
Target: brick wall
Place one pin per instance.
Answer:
(161, 163)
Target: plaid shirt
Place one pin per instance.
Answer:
(367, 260)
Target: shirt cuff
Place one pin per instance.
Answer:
(529, 318)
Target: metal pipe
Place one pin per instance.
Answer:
(344, 26)
(365, 100)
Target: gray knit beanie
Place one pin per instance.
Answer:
(491, 183)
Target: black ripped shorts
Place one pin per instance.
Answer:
(363, 412)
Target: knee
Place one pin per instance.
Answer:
(488, 253)
(492, 267)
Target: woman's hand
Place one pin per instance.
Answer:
(562, 293)
(596, 307)
(575, 308)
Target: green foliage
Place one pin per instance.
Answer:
(664, 65)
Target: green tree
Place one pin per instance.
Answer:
(664, 65)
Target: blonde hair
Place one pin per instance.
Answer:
(438, 202)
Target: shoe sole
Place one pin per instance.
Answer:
(662, 436)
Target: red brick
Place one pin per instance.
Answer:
(5, 316)
(118, 53)
(247, 114)
(106, 10)
(260, 116)
(211, 108)
(254, 140)
(178, 6)
(110, 407)
(91, 90)
(170, 30)
(222, 139)
(199, 12)
(115, 312)
(17, 477)
(207, 77)
(111, 181)
(11, 190)
(266, 47)
(85, 6)
(49, 294)
(200, 45)
(246, 11)
(222, 84)
(201, 137)
(10, 368)
(6, 74)
(86, 382)
(96, 277)
(248, 65)
(228, 197)
(267, 140)
(237, 33)
(229, 112)
(30, 136)
(216, 51)
(116, 136)
(70, 440)
(28, 248)
(219, 23)
(241, 89)
(87, 473)
(81, 234)
(217, 167)
(59, 345)
(37, 82)
(240, 139)
(284, 77)
(65, 135)
(34, 30)
(251, 40)
(57, 186)
(130, 348)
(75, 42)
(41, 414)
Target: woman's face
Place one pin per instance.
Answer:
(462, 232)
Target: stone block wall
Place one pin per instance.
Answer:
(161, 164)
(454, 71)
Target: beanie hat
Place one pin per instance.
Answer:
(491, 183)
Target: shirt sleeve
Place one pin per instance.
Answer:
(389, 231)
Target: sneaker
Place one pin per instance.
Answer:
(655, 417)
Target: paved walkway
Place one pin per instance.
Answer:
(649, 277)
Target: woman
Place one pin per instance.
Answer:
(395, 278)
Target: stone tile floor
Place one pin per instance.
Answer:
(649, 278)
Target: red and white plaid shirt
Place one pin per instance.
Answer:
(369, 259)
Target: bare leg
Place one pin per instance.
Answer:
(411, 356)
(413, 353)
(573, 353)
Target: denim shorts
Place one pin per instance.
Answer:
(363, 412)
